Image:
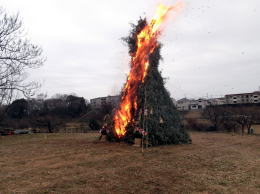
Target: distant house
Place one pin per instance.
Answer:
(185, 104)
(217, 101)
(100, 101)
(202, 103)
(243, 98)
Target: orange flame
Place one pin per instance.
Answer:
(146, 43)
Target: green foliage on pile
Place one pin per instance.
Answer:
(159, 115)
(156, 112)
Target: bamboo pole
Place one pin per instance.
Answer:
(144, 115)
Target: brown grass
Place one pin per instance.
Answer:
(256, 129)
(77, 163)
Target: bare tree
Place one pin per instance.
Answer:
(17, 55)
(234, 117)
(215, 115)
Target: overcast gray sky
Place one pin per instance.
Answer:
(212, 48)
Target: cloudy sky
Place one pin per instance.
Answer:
(210, 49)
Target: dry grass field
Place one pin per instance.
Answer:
(77, 163)
(256, 129)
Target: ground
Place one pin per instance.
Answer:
(256, 129)
(77, 163)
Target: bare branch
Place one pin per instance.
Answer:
(17, 54)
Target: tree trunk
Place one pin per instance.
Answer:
(249, 129)
(50, 127)
(243, 129)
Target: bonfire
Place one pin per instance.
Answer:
(146, 108)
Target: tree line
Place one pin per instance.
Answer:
(232, 118)
(52, 113)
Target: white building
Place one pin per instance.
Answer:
(202, 103)
(185, 104)
(243, 98)
(217, 101)
(100, 101)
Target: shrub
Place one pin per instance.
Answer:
(94, 125)
(194, 124)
